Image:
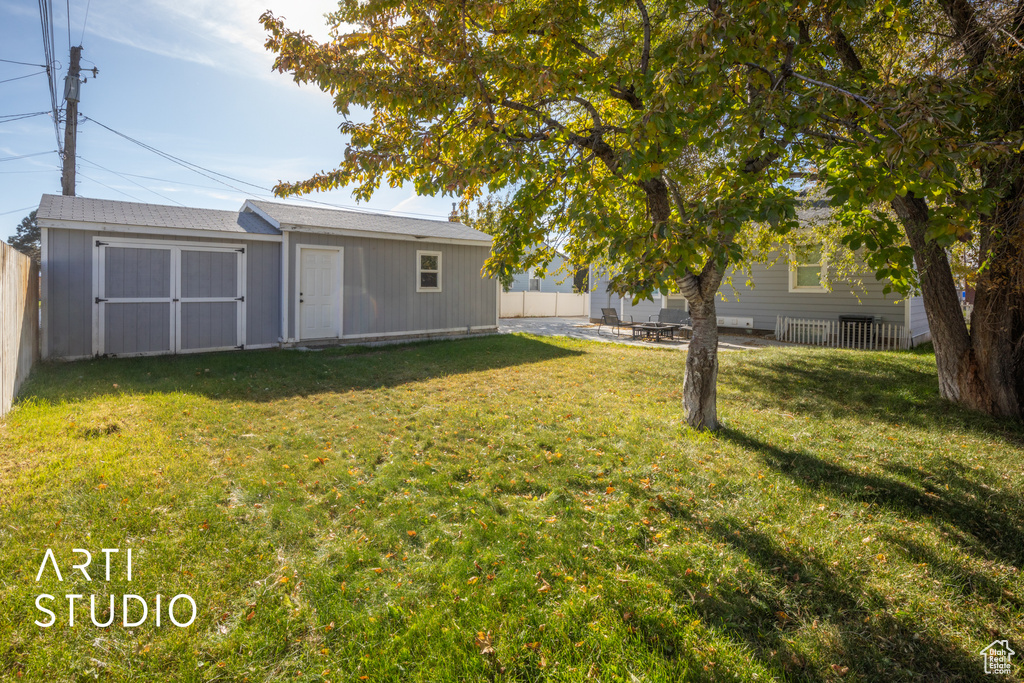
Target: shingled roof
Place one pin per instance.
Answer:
(254, 218)
(111, 212)
(290, 216)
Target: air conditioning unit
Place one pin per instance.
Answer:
(740, 323)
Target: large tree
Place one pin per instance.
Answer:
(26, 238)
(580, 113)
(651, 133)
(913, 108)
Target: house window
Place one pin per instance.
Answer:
(675, 301)
(533, 281)
(806, 273)
(428, 275)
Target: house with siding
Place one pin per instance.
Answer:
(559, 278)
(782, 290)
(129, 279)
(793, 285)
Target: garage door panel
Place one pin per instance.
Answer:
(209, 325)
(134, 273)
(169, 298)
(209, 274)
(137, 328)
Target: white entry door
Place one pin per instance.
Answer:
(319, 293)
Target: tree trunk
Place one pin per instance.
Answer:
(700, 381)
(997, 322)
(981, 370)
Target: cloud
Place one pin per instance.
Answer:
(224, 35)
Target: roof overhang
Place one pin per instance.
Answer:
(250, 207)
(155, 230)
(372, 234)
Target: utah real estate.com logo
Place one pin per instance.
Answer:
(997, 657)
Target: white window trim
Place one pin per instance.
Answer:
(419, 270)
(531, 275)
(794, 288)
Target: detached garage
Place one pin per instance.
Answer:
(127, 279)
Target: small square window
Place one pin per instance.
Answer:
(428, 271)
(807, 274)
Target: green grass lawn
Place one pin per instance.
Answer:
(511, 509)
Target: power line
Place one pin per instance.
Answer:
(203, 171)
(11, 61)
(87, 5)
(19, 117)
(18, 78)
(46, 22)
(7, 213)
(55, 168)
(181, 162)
(26, 156)
(121, 175)
(111, 188)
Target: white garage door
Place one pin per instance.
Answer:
(156, 297)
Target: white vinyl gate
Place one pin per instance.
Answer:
(154, 297)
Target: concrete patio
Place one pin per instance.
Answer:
(582, 328)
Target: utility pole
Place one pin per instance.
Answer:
(71, 88)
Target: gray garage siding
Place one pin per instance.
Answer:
(379, 286)
(69, 305)
(770, 297)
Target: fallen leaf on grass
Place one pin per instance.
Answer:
(483, 643)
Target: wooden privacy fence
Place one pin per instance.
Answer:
(843, 335)
(19, 322)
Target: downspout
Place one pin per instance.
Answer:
(284, 285)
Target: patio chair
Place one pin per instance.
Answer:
(610, 317)
(671, 316)
(676, 317)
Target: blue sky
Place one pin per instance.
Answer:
(189, 77)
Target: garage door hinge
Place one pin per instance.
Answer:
(241, 347)
(98, 300)
(241, 250)
(241, 298)
(100, 244)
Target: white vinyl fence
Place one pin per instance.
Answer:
(846, 335)
(19, 322)
(543, 304)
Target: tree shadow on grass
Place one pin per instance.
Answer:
(263, 376)
(987, 521)
(890, 387)
(858, 636)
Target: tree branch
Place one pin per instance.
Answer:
(967, 30)
(645, 56)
